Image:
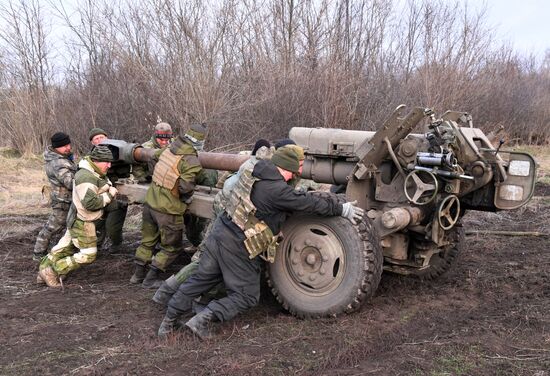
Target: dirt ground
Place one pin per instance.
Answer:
(489, 315)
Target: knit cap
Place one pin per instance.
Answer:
(298, 150)
(284, 142)
(261, 142)
(287, 159)
(197, 132)
(60, 139)
(101, 153)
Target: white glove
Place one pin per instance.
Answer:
(352, 212)
(113, 191)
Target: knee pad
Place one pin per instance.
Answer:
(86, 255)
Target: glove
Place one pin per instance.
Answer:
(352, 212)
(113, 191)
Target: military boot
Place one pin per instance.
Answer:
(139, 274)
(166, 290)
(200, 324)
(169, 323)
(152, 279)
(49, 276)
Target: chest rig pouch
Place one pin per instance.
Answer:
(259, 237)
(166, 172)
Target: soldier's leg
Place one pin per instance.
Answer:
(54, 225)
(83, 236)
(115, 223)
(207, 275)
(150, 236)
(101, 232)
(171, 285)
(63, 248)
(241, 277)
(171, 236)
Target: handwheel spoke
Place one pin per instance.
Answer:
(429, 187)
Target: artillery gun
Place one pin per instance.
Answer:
(414, 187)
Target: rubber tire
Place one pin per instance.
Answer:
(363, 270)
(441, 262)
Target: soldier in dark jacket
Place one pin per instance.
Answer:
(259, 205)
(60, 170)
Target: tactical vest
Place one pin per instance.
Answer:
(259, 237)
(166, 172)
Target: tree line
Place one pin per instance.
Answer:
(256, 68)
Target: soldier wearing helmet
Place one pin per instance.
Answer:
(162, 137)
(174, 178)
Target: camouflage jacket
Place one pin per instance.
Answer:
(60, 170)
(162, 199)
(90, 191)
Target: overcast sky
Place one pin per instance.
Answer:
(526, 23)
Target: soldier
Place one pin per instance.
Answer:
(115, 213)
(161, 138)
(97, 135)
(92, 191)
(60, 170)
(259, 205)
(261, 150)
(174, 179)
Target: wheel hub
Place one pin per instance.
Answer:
(316, 260)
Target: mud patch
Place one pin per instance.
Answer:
(489, 315)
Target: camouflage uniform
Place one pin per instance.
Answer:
(92, 192)
(165, 203)
(60, 170)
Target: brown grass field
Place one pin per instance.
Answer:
(489, 315)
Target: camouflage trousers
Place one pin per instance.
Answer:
(166, 229)
(77, 247)
(54, 226)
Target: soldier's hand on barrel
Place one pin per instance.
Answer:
(352, 212)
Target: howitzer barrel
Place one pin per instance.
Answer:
(216, 161)
(221, 161)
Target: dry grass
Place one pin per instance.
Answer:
(21, 186)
